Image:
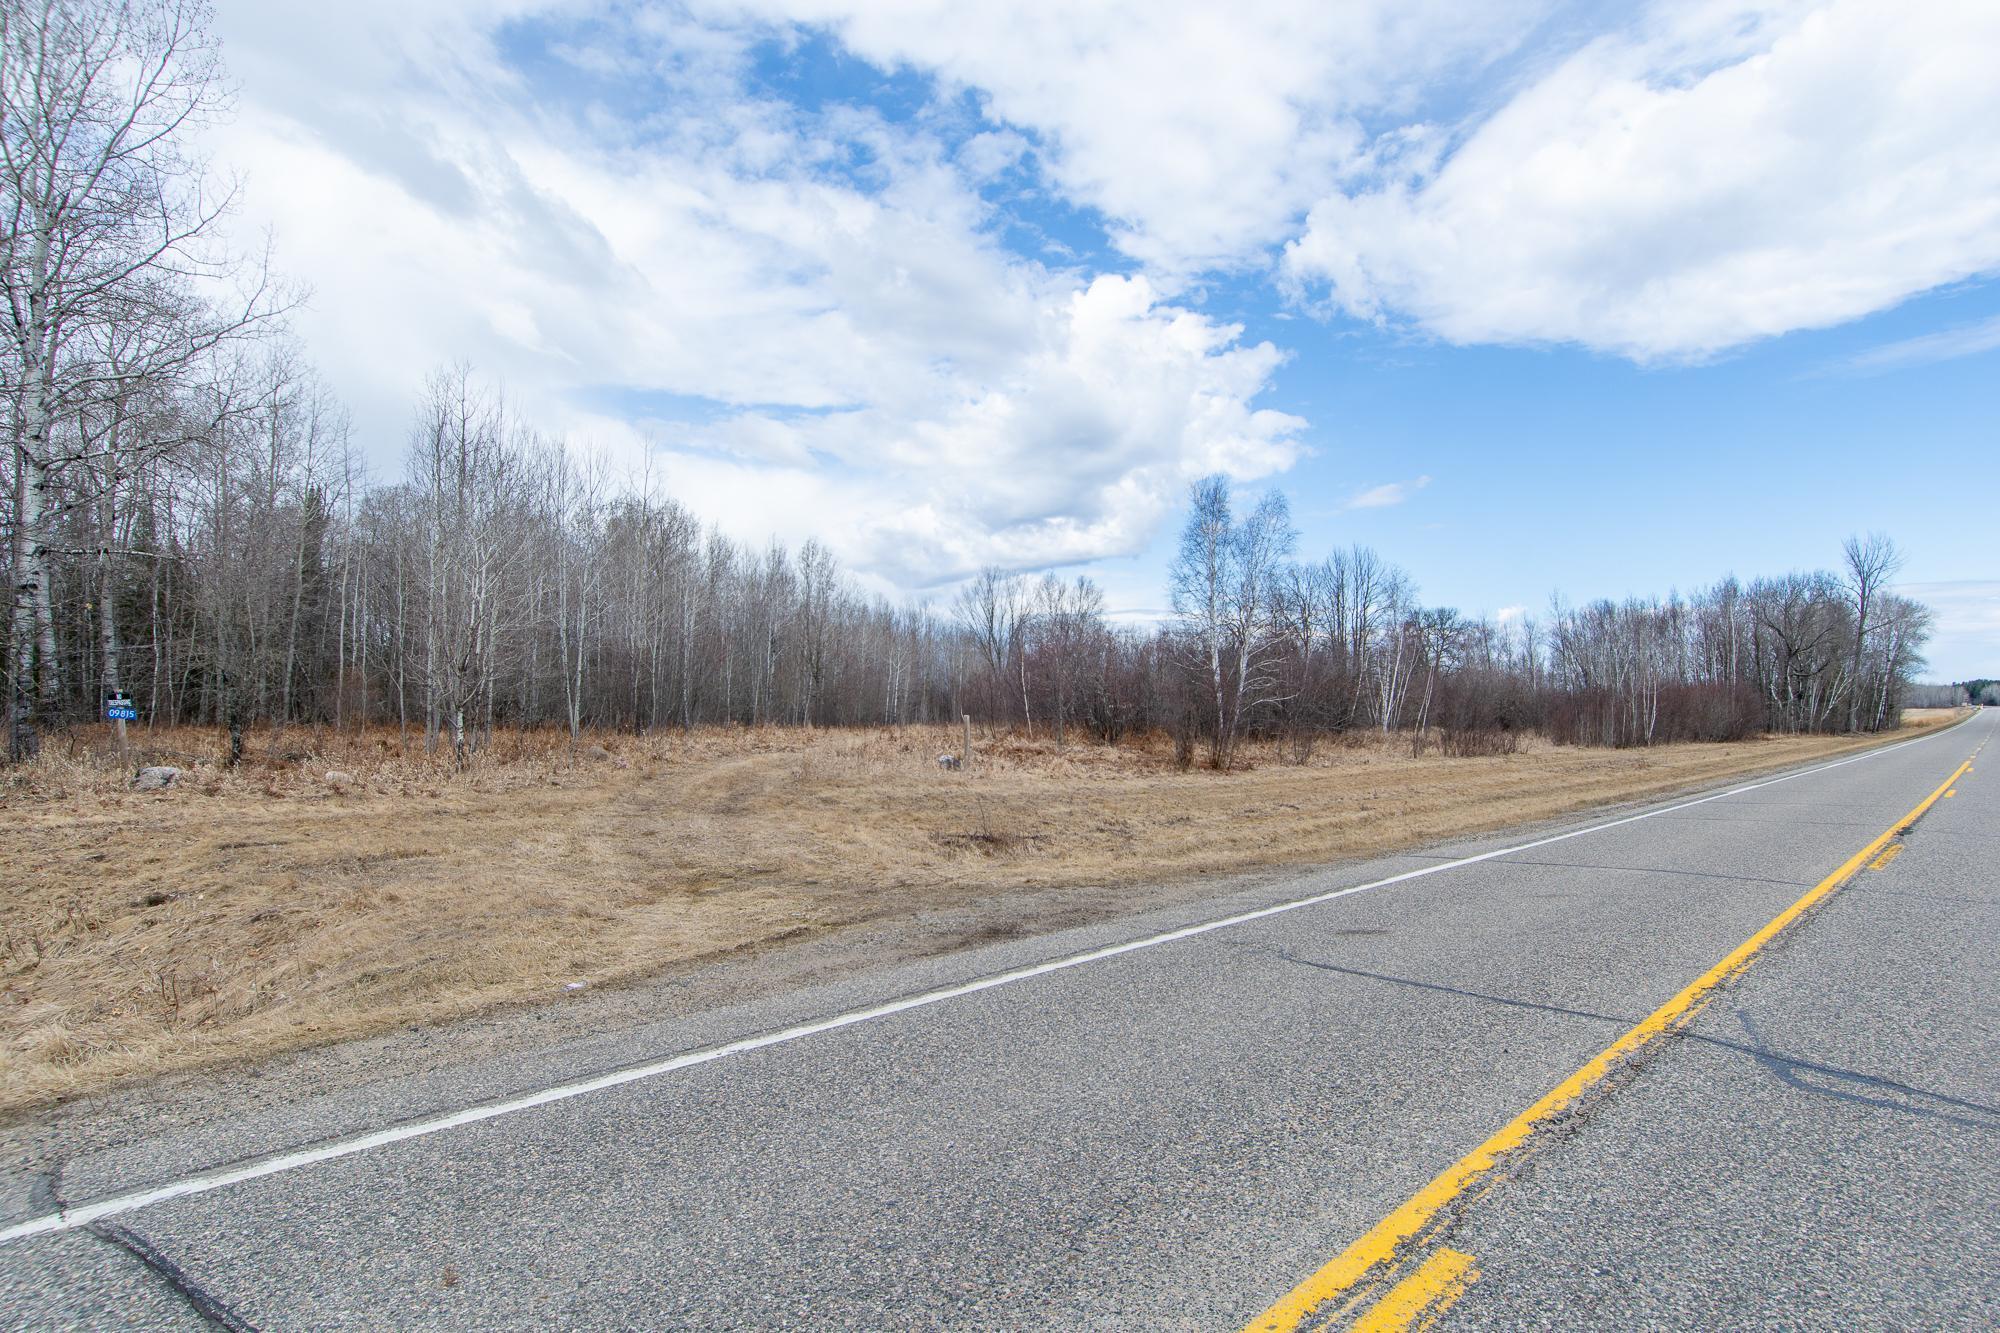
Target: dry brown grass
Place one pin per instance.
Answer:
(246, 912)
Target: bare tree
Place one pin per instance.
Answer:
(574, 498)
(1259, 547)
(1199, 588)
(109, 222)
(1871, 562)
(1224, 586)
(1068, 618)
(992, 608)
(819, 589)
(471, 480)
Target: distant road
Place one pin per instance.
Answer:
(1325, 1112)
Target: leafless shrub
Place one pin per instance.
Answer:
(1479, 742)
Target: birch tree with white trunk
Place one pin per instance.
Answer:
(106, 218)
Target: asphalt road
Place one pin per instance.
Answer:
(1176, 1135)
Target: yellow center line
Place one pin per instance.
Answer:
(1889, 853)
(1419, 1299)
(1351, 1280)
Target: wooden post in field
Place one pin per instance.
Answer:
(965, 759)
(119, 707)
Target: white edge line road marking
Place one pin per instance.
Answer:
(81, 1215)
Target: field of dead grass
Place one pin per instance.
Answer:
(249, 911)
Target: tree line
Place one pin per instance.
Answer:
(187, 522)
(1979, 692)
(1304, 650)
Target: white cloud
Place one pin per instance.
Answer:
(1391, 493)
(1944, 345)
(815, 349)
(1725, 173)
(1072, 452)
(1200, 132)
(811, 311)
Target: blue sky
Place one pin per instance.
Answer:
(1556, 468)
(1605, 300)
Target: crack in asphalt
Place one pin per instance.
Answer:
(210, 1307)
(1662, 870)
(1783, 1067)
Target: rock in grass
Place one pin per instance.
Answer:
(157, 778)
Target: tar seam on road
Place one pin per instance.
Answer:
(214, 1311)
(1780, 1064)
(83, 1214)
(1351, 1284)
